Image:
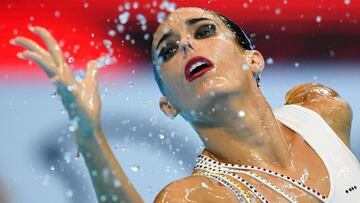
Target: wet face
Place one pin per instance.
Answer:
(198, 60)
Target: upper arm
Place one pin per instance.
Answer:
(326, 102)
(195, 189)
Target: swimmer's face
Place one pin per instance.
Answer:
(198, 60)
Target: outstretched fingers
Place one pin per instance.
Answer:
(51, 44)
(31, 45)
(37, 58)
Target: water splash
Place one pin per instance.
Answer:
(108, 58)
(124, 17)
(135, 167)
(74, 124)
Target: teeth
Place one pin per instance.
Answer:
(197, 64)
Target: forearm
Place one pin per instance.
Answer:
(109, 180)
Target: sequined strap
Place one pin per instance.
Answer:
(235, 188)
(246, 169)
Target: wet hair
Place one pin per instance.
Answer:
(240, 37)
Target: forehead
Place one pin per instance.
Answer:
(176, 20)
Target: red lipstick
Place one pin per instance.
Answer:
(197, 67)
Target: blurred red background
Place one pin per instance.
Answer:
(286, 30)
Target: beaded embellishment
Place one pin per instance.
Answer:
(242, 195)
(210, 165)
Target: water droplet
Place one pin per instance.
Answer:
(54, 94)
(296, 64)
(141, 18)
(165, 5)
(80, 74)
(117, 183)
(241, 114)
(160, 16)
(69, 193)
(71, 59)
(57, 13)
(94, 173)
(131, 84)
(269, 61)
(135, 5)
(105, 173)
(127, 37)
(347, 2)
(278, 11)
(122, 148)
(107, 43)
(120, 28)
(135, 167)
(103, 198)
(111, 33)
(67, 157)
(161, 136)
(124, 17)
(52, 168)
(74, 124)
(127, 5)
(245, 67)
(318, 19)
(146, 36)
(114, 198)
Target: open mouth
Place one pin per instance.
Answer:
(196, 67)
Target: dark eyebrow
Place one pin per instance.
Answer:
(192, 21)
(164, 37)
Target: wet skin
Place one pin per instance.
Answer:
(211, 103)
(229, 88)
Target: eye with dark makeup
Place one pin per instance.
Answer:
(205, 31)
(168, 51)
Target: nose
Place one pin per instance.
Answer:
(185, 44)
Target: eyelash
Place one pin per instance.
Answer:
(210, 31)
(168, 52)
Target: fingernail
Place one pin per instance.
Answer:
(20, 55)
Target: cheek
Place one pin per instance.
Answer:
(228, 74)
(225, 52)
(174, 81)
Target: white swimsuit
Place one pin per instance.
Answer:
(342, 166)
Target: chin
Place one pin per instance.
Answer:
(211, 87)
(207, 93)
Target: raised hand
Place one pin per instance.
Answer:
(80, 97)
(82, 101)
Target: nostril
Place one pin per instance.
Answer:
(190, 46)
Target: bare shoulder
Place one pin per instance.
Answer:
(195, 189)
(326, 102)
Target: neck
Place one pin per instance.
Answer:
(242, 129)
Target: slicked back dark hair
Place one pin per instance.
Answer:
(240, 36)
